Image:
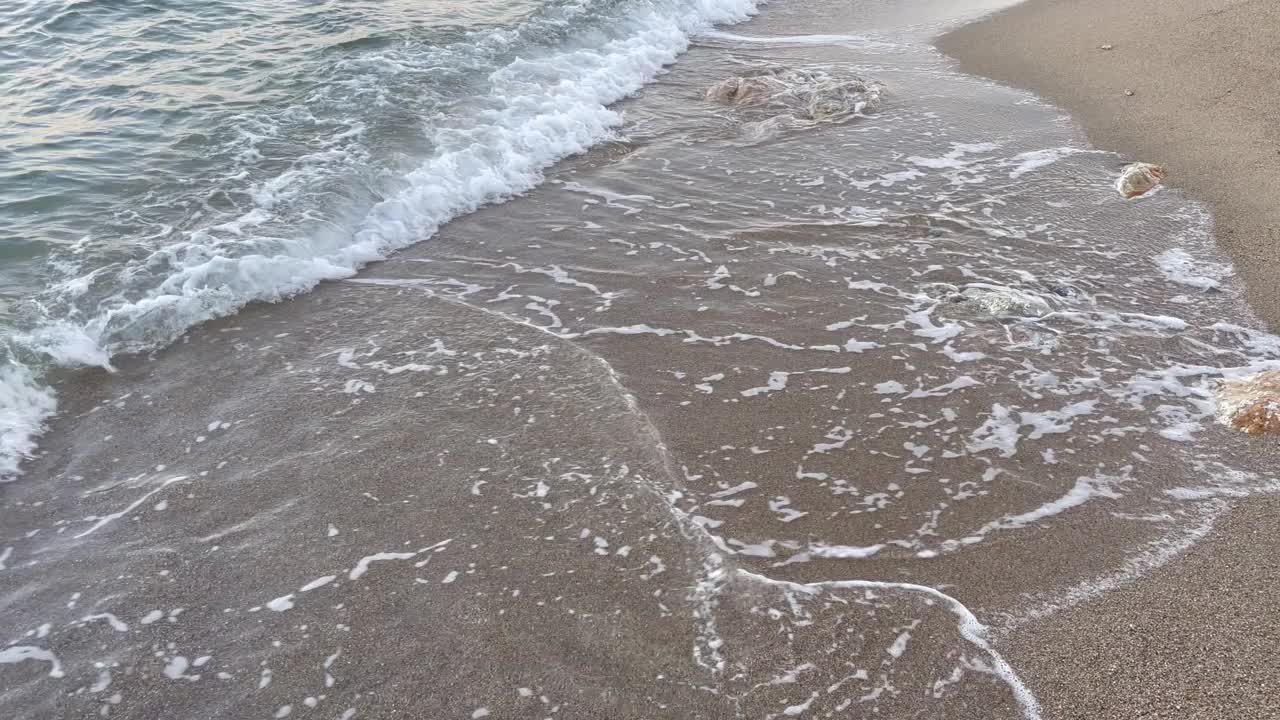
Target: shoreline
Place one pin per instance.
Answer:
(1204, 77)
(532, 448)
(1190, 637)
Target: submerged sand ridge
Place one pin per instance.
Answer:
(829, 424)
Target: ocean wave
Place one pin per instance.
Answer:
(25, 404)
(517, 114)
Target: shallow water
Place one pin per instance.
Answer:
(168, 163)
(726, 418)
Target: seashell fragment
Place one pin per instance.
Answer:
(1251, 404)
(1139, 179)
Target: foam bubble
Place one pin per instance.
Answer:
(25, 405)
(1179, 266)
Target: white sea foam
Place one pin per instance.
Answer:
(25, 405)
(100, 522)
(845, 552)
(1180, 267)
(1085, 489)
(20, 653)
(967, 623)
(1036, 159)
(785, 40)
(1006, 425)
(539, 109)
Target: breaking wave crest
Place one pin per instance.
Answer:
(534, 94)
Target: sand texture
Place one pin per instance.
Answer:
(1205, 78)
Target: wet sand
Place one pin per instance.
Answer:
(771, 448)
(1205, 76)
(1196, 639)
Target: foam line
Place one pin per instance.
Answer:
(19, 653)
(970, 628)
(105, 519)
(794, 39)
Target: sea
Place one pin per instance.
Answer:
(576, 359)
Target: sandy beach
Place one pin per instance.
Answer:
(1205, 76)
(801, 375)
(1196, 639)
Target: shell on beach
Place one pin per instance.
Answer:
(1139, 179)
(1251, 404)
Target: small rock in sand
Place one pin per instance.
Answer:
(1139, 179)
(1251, 404)
(1128, 92)
(1106, 47)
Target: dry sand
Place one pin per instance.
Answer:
(1205, 77)
(1196, 639)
